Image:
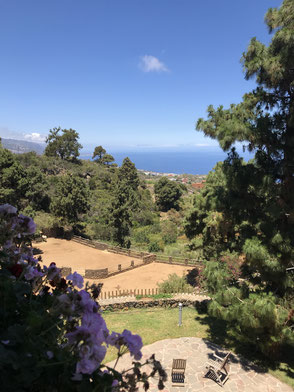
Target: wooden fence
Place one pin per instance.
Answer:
(145, 256)
(177, 260)
(110, 248)
(136, 292)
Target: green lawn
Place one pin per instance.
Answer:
(157, 324)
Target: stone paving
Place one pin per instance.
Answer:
(244, 376)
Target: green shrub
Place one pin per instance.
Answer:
(141, 235)
(154, 247)
(174, 284)
(45, 221)
(169, 232)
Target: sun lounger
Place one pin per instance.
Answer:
(217, 369)
(178, 372)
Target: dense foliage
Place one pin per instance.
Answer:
(95, 199)
(52, 334)
(71, 199)
(249, 207)
(65, 145)
(167, 194)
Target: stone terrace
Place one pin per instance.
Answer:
(244, 376)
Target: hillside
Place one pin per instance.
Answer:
(22, 146)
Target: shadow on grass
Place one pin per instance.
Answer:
(220, 340)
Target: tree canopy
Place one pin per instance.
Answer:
(100, 156)
(12, 178)
(63, 143)
(125, 202)
(249, 207)
(71, 199)
(167, 194)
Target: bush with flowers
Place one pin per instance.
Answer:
(52, 334)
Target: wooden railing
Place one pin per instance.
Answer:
(136, 292)
(145, 256)
(111, 248)
(177, 260)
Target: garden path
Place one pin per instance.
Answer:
(244, 376)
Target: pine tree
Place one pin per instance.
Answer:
(65, 145)
(125, 202)
(70, 200)
(251, 209)
(167, 194)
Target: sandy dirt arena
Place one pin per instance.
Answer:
(72, 254)
(145, 277)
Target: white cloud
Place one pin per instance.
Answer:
(35, 137)
(152, 64)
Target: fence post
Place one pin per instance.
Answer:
(132, 263)
(119, 267)
(186, 261)
(170, 259)
(180, 314)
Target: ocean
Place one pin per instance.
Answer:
(200, 161)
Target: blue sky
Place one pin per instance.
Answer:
(126, 74)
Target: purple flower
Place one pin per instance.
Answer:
(115, 340)
(86, 302)
(134, 343)
(50, 354)
(77, 279)
(27, 224)
(96, 326)
(98, 353)
(8, 244)
(66, 304)
(8, 209)
(79, 334)
(86, 366)
(32, 273)
(31, 226)
(53, 271)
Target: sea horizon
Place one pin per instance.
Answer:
(194, 162)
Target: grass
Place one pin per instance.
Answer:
(157, 324)
(155, 296)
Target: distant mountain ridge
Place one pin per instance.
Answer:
(22, 146)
